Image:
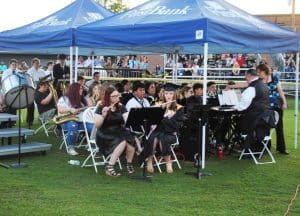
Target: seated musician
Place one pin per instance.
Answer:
(72, 103)
(151, 94)
(138, 100)
(95, 94)
(212, 94)
(112, 137)
(255, 101)
(165, 133)
(45, 101)
(195, 99)
(185, 93)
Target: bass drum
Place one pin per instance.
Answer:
(18, 90)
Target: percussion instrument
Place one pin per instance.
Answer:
(18, 90)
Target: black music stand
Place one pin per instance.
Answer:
(19, 106)
(144, 116)
(201, 112)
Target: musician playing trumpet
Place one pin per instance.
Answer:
(72, 103)
(165, 133)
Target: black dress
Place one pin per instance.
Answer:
(165, 132)
(112, 131)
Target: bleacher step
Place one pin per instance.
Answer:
(25, 148)
(14, 132)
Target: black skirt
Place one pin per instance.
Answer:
(110, 137)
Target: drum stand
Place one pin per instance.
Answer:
(24, 87)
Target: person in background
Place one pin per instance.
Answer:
(81, 81)
(3, 67)
(112, 137)
(195, 99)
(49, 70)
(60, 71)
(186, 92)
(13, 65)
(126, 94)
(96, 78)
(277, 102)
(151, 94)
(36, 74)
(35, 71)
(95, 94)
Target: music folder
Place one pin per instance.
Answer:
(138, 116)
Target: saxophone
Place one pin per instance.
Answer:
(60, 119)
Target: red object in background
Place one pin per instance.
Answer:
(220, 153)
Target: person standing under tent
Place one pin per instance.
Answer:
(277, 102)
(60, 71)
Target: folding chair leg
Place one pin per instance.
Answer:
(175, 158)
(157, 163)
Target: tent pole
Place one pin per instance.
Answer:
(71, 64)
(204, 102)
(174, 68)
(296, 101)
(76, 64)
(176, 60)
(93, 63)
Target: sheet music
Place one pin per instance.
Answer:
(229, 97)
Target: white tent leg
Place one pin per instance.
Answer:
(93, 64)
(76, 64)
(204, 102)
(71, 64)
(174, 68)
(296, 102)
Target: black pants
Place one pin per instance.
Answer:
(30, 114)
(280, 145)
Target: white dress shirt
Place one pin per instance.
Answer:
(137, 103)
(247, 97)
(36, 74)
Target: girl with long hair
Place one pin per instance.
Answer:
(73, 102)
(112, 136)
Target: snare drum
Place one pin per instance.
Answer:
(18, 90)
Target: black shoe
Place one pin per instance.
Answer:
(283, 152)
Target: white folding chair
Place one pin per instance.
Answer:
(174, 158)
(48, 126)
(93, 149)
(264, 142)
(160, 161)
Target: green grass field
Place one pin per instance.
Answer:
(50, 186)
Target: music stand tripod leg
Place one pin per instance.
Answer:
(144, 176)
(198, 174)
(19, 164)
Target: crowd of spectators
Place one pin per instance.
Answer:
(190, 65)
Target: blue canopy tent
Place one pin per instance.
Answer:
(190, 26)
(54, 33)
(55, 30)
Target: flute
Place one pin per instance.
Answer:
(164, 104)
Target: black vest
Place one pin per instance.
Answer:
(260, 102)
